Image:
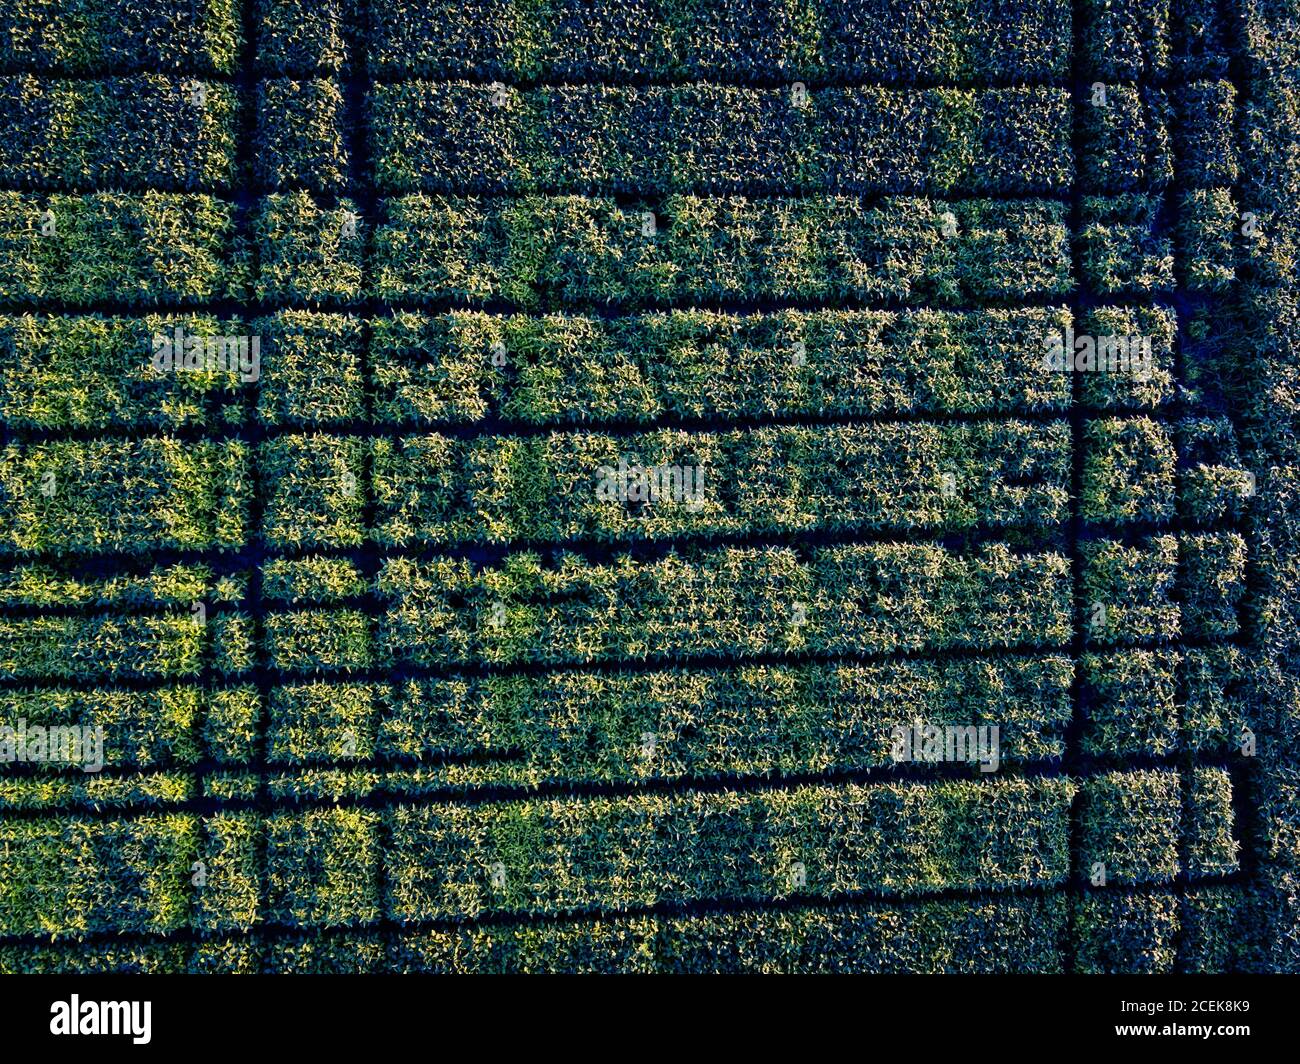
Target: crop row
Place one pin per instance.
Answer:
(462, 367)
(167, 247)
(438, 489)
(460, 137)
(926, 40)
(1130, 137)
(76, 789)
(89, 371)
(373, 785)
(167, 132)
(624, 726)
(749, 720)
(619, 726)
(701, 364)
(327, 868)
(181, 584)
(175, 725)
(1130, 852)
(728, 602)
(147, 248)
(1270, 194)
(137, 495)
(1205, 137)
(745, 601)
(536, 251)
(1261, 352)
(554, 854)
(557, 251)
(764, 601)
(108, 646)
(1204, 929)
(437, 862)
(901, 40)
(858, 39)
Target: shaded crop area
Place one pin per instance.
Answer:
(770, 485)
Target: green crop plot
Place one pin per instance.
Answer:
(656, 486)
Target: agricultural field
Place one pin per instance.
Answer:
(650, 487)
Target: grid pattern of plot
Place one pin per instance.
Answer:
(386, 683)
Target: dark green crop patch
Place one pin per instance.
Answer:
(1123, 248)
(296, 38)
(312, 368)
(300, 135)
(1126, 933)
(316, 488)
(728, 602)
(1125, 40)
(322, 722)
(146, 131)
(1128, 591)
(319, 641)
(853, 40)
(462, 137)
(322, 867)
(1126, 138)
(71, 875)
(1205, 144)
(309, 253)
(898, 839)
(227, 876)
(1211, 848)
(1207, 231)
(1212, 576)
(1128, 471)
(1129, 828)
(94, 36)
(743, 720)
